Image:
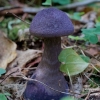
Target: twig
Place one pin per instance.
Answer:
(90, 80)
(8, 7)
(96, 75)
(69, 6)
(18, 17)
(32, 9)
(71, 82)
(94, 67)
(84, 95)
(64, 46)
(29, 79)
(79, 4)
(88, 95)
(7, 76)
(83, 52)
(36, 9)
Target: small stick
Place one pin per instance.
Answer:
(88, 95)
(90, 80)
(29, 79)
(18, 17)
(7, 76)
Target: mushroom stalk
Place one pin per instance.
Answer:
(50, 55)
(48, 70)
(48, 73)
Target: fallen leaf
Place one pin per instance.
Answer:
(7, 50)
(34, 62)
(72, 63)
(23, 58)
(18, 66)
(92, 51)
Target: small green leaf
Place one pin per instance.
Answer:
(2, 71)
(2, 96)
(13, 34)
(77, 15)
(91, 35)
(62, 2)
(97, 24)
(71, 62)
(98, 19)
(75, 37)
(92, 30)
(47, 2)
(85, 58)
(14, 26)
(92, 38)
(68, 98)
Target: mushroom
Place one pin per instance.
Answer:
(50, 24)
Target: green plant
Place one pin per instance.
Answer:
(2, 71)
(91, 34)
(76, 15)
(72, 63)
(61, 2)
(85, 58)
(47, 2)
(68, 98)
(14, 26)
(76, 38)
(3, 96)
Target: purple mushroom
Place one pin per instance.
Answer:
(50, 24)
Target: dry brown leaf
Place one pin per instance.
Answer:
(92, 51)
(23, 58)
(90, 16)
(7, 50)
(15, 67)
(86, 9)
(34, 62)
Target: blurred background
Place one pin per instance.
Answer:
(15, 19)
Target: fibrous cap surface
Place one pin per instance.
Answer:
(51, 22)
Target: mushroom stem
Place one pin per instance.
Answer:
(48, 73)
(50, 55)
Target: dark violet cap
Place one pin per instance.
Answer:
(51, 22)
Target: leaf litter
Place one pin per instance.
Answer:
(24, 59)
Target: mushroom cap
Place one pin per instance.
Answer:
(51, 22)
